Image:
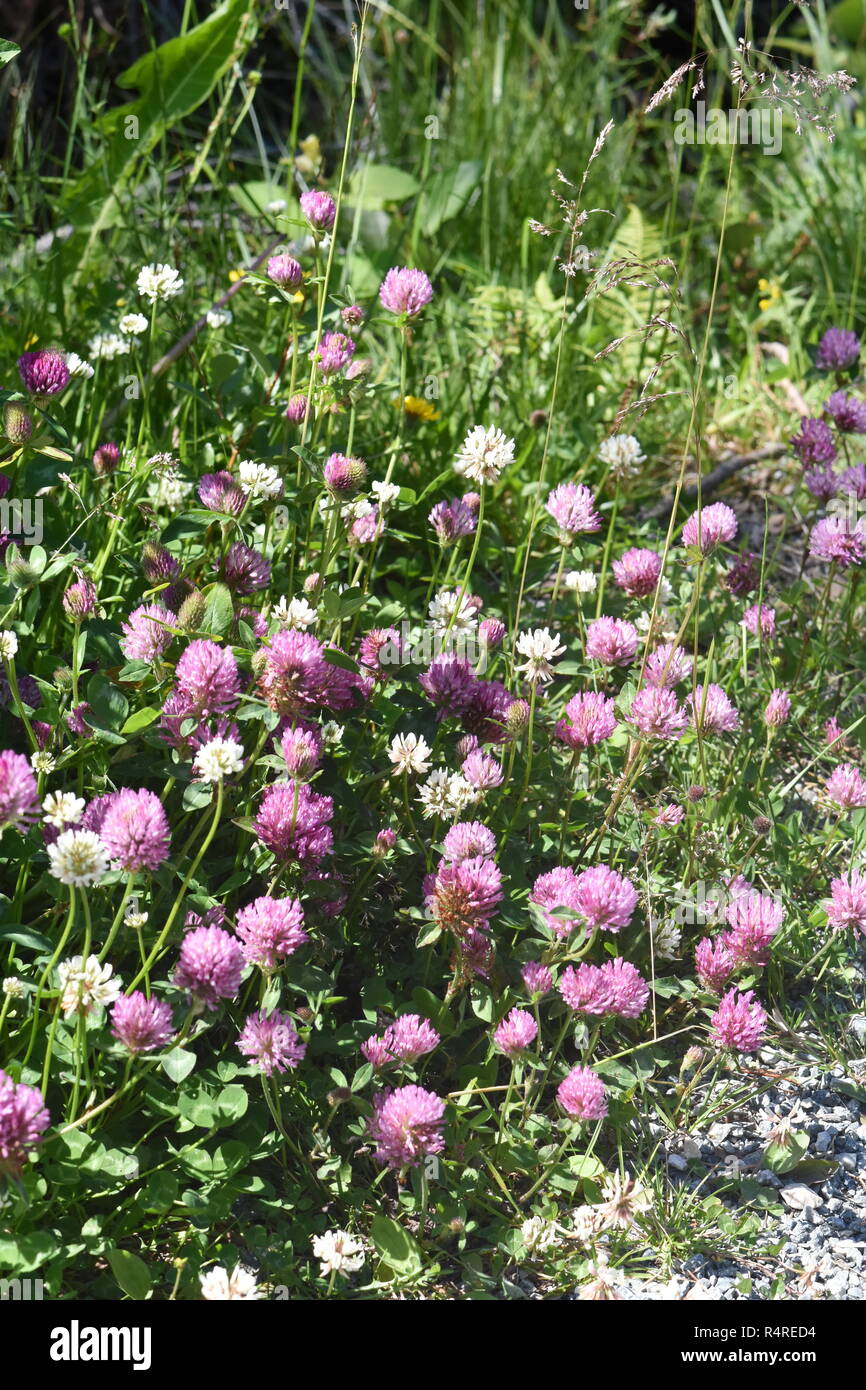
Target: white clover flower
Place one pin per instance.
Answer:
(259, 479)
(461, 793)
(85, 986)
(13, 987)
(158, 282)
(580, 581)
(43, 761)
(107, 346)
(133, 917)
(219, 758)
(218, 1286)
(332, 733)
(132, 324)
(385, 493)
(539, 649)
(278, 205)
(297, 613)
(624, 1199)
(483, 454)
(434, 795)
(219, 318)
(77, 366)
(78, 857)
(623, 455)
(409, 753)
(339, 1252)
(8, 645)
(169, 491)
(454, 609)
(585, 1224)
(538, 1235)
(62, 808)
(667, 939)
(665, 590)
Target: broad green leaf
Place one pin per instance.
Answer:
(177, 1064)
(219, 612)
(447, 194)
(401, 1256)
(376, 184)
(131, 1273)
(141, 719)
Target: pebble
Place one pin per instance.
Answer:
(800, 1197)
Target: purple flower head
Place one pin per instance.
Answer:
(296, 410)
(141, 1024)
(19, 799)
(754, 919)
(710, 527)
(760, 620)
(79, 600)
(464, 895)
(834, 539)
(712, 711)
(814, 443)
(135, 830)
(406, 1126)
(271, 929)
(207, 676)
(245, 570)
(449, 684)
(667, 665)
(452, 520)
(271, 1042)
(468, 840)
(838, 349)
(572, 507)
(221, 492)
(380, 650)
(285, 272)
(849, 414)
(637, 572)
(744, 575)
(75, 719)
(23, 1117)
(612, 641)
(822, 482)
(846, 906)
(295, 676)
(739, 1022)
(853, 480)
(353, 315)
(582, 1094)
(516, 1033)
(344, 475)
(405, 1040)
(655, 713)
(669, 816)
(489, 712)
(846, 787)
(43, 373)
(778, 709)
(491, 631)
(553, 893)
(537, 979)
(405, 291)
(605, 899)
(584, 989)
(302, 749)
(627, 990)
(714, 963)
(319, 209)
(105, 458)
(158, 564)
(589, 720)
(482, 771)
(333, 353)
(210, 966)
(385, 841)
(146, 632)
(293, 823)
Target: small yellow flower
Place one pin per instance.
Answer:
(418, 407)
(772, 291)
(34, 338)
(297, 297)
(235, 275)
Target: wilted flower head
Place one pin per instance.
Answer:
(739, 1022)
(744, 575)
(23, 1117)
(210, 966)
(270, 1040)
(406, 1126)
(582, 1094)
(710, 527)
(405, 291)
